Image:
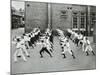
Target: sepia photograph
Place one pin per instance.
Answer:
(52, 37)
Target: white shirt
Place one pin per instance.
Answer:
(15, 39)
(34, 30)
(37, 32)
(75, 34)
(60, 31)
(32, 35)
(87, 42)
(67, 44)
(44, 44)
(26, 38)
(70, 31)
(47, 30)
(64, 39)
(20, 44)
(80, 36)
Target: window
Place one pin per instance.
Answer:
(82, 25)
(79, 19)
(75, 20)
(93, 19)
(82, 20)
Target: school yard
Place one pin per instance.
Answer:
(36, 64)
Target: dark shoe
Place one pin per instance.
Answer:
(28, 56)
(73, 57)
(62, 50)
(64, 55)
(19, 56)
(51, 56)
(87, 54)
(27, 48)
(41, 57)
(50, 50)
(93, 53)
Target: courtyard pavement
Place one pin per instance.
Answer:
(36, 64)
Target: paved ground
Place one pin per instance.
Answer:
(56, 63)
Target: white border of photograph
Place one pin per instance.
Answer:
(5, 37)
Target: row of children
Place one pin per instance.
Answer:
(32, 39)
(64, 43)
(23, 43)
(77, 39)
(35, 37)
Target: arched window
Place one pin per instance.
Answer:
(75, 19)
(82, 20)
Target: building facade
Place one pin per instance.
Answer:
(76, 17)
(16, 18)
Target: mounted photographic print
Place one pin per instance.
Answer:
(52, 37)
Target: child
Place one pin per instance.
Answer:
(20, 50)
(66, 48)
(88, 47)
(45, 48)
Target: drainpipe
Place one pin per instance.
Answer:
(88, 29)
(49, 15)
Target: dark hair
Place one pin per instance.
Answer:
(24, 34)
(42, 41)
(86, 38)
(18, 39)
(67, 40)
(46, 37)
(29, 35)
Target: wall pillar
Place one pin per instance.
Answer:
(49, 16)
(88, 27)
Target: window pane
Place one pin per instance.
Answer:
(74, 22)
(93, 19)
(75, 18)
(82, 20)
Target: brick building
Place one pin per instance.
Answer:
(77, 17)
(16, 18)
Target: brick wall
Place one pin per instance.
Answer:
(35, 15)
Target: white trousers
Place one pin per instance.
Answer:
(67, 49)
(26, 43)
(83, 47)
(88, 48)
(19, 52)
(25, 50)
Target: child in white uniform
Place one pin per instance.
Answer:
(60, 32)
(62, 41)
(88, 47)
(20, 50)
(45, 48)
(80, 37)
(66, 48)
